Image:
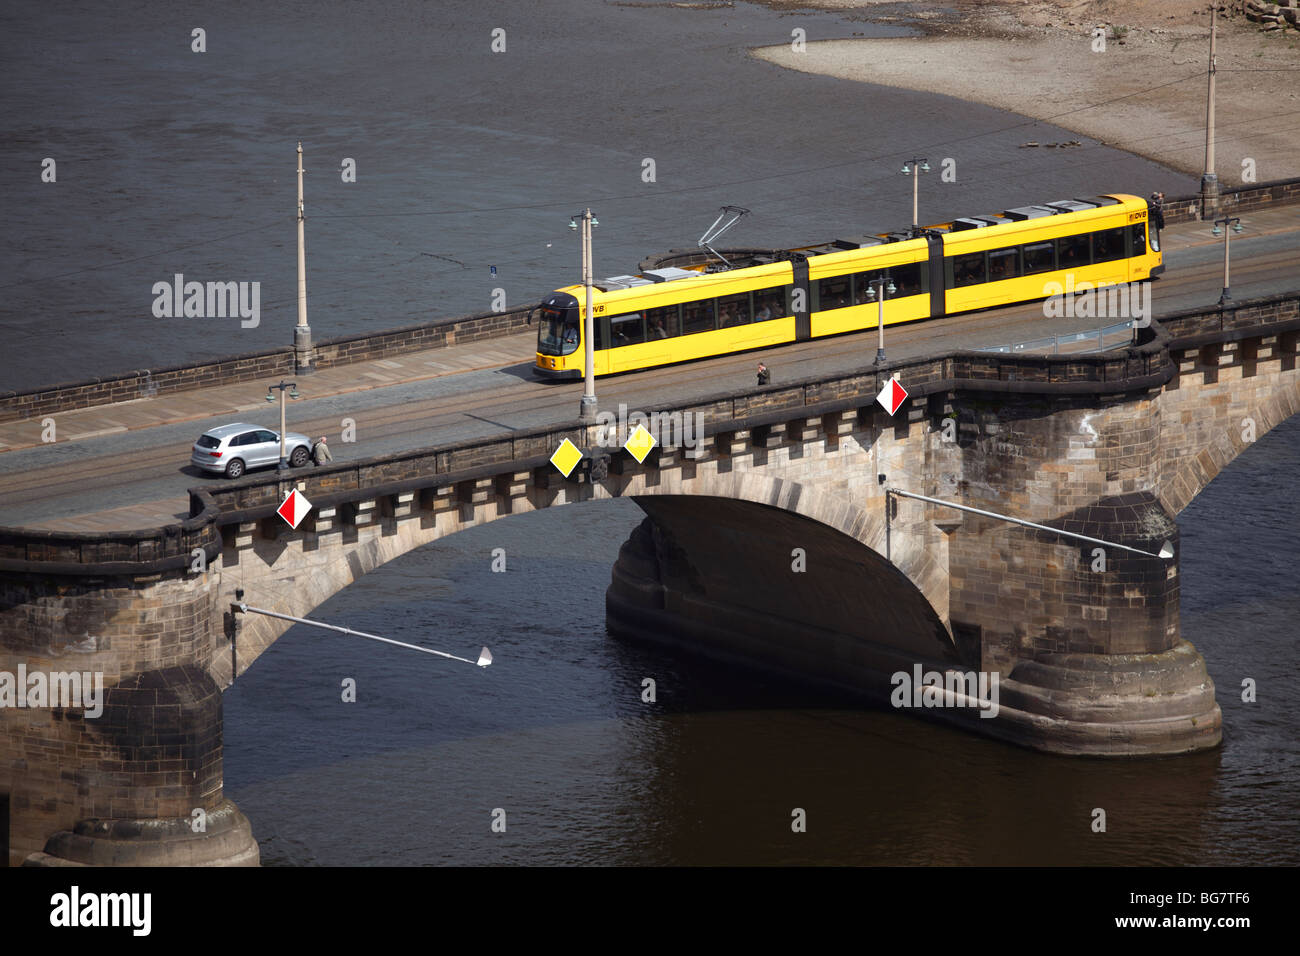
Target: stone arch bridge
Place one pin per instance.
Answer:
(767, 542)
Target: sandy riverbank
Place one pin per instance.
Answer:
(1036, 58)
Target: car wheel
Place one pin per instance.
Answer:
(235, 468)
(298, 458)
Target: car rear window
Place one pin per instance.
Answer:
(207, 441)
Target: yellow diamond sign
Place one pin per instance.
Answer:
(640, 443)
(566, 457)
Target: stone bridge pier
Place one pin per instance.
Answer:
(132, 778)
(1084, 638)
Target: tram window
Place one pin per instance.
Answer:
(697, 317)
(770, 304)
(557, 331)
(968, 269)
(862, 293)
(627, 329)
(1139, 231)
(734, 310)
(598, 341)
(1039, 257)
(1072, 252)
(1108, 245)
(1004, 264)
(662, 323)
(833, 293)
(907, 279)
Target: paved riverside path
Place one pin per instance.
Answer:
(126, 465)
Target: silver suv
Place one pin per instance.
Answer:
(231, 450)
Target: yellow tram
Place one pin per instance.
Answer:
(675, 315)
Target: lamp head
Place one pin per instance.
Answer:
(573, 222)
(925, 167)
(269, 396)
(907, 170)
(1217, 230)
(293, 391)
(891, 289)
(1236, 227)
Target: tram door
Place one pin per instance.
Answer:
(938, 292)
(802, 301)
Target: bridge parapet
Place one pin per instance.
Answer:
(330, 352)
(149, 550)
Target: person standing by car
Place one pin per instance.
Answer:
(320, 452)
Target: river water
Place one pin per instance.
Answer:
(171, 161)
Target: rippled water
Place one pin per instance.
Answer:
(170, 161)
(555, 732)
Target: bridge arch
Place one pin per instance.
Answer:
(841, 542)
(1243, 406)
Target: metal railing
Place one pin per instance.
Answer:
(1093, 340)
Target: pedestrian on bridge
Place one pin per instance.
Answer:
(320, 452)
(1158, 210)
(764, 376)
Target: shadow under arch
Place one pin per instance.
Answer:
(753, 584)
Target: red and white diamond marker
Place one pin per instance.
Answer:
(892, 395)
(294, 508)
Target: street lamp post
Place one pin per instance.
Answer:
(1209, 180)
(1219, 230)
(293, 393)
(914, 167)
(302, 331)
(587, 408)
(877, 289)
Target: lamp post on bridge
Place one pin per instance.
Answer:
(293, 393)
(1220, 230)
(1209, 180)
(301, 332)
(876, 289)
(914, 167)
(587, 408)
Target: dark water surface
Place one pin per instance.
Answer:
(556, 734)
(171, 161)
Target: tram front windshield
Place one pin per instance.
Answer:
(557, 331)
